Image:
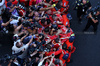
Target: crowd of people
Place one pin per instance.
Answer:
(41, 32)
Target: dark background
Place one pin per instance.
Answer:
(87, 45)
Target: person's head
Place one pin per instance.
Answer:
(54, 27)
(54, 17)
(43, 21)
(49, 1)
(84, 1)
(46, 30)
(57, 40)
(49, 11)
(48, 21)
(41, 36)
(65, 57)
(9, 4)
(72, 38)
(15, 37)
(64, 46)
(36, 14)
(48, 47)
(30, 9)
(19, 44)
(59, 4)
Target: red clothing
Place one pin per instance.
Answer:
(70, 44)
(65, 5)
(23, 1)
(22, 12)
(44, 26)
(63, 28)
(50, 17)
(32, 2)
(56, 45)
(50, 37)
(65, 21)
(64, 37)
(60, 18)
(52, 52)
(61, 57)
(46, 64)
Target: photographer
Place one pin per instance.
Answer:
(93, 20)
(19, 46)
(6, 27)
(10, 9)
(13, 62)
(82, 6)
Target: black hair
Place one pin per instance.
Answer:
(43, 21)
(42, 36)
(64, 46)
(46, 29)
(58, 5)
(48, 1)
(48, 21)
(54, 26)
(17, 45)
(14, 38)
(57, 40)
(54, 16)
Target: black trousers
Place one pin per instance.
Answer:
(80, 13)
(89, 23)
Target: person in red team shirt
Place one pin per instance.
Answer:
(70, 42)
(65, 55)
(51, 51)
(56, 43)
(57, 19)
(65, 7)
(25, 2)
(33, 2)
(53, 33)
(45, 22)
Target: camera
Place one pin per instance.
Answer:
(93, 10)
(26, 23)
(21, 6)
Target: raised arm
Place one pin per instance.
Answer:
(23, 37)
(5, 24)
(31, 40)
(11, 10)
(18, 28)
(95, 21)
